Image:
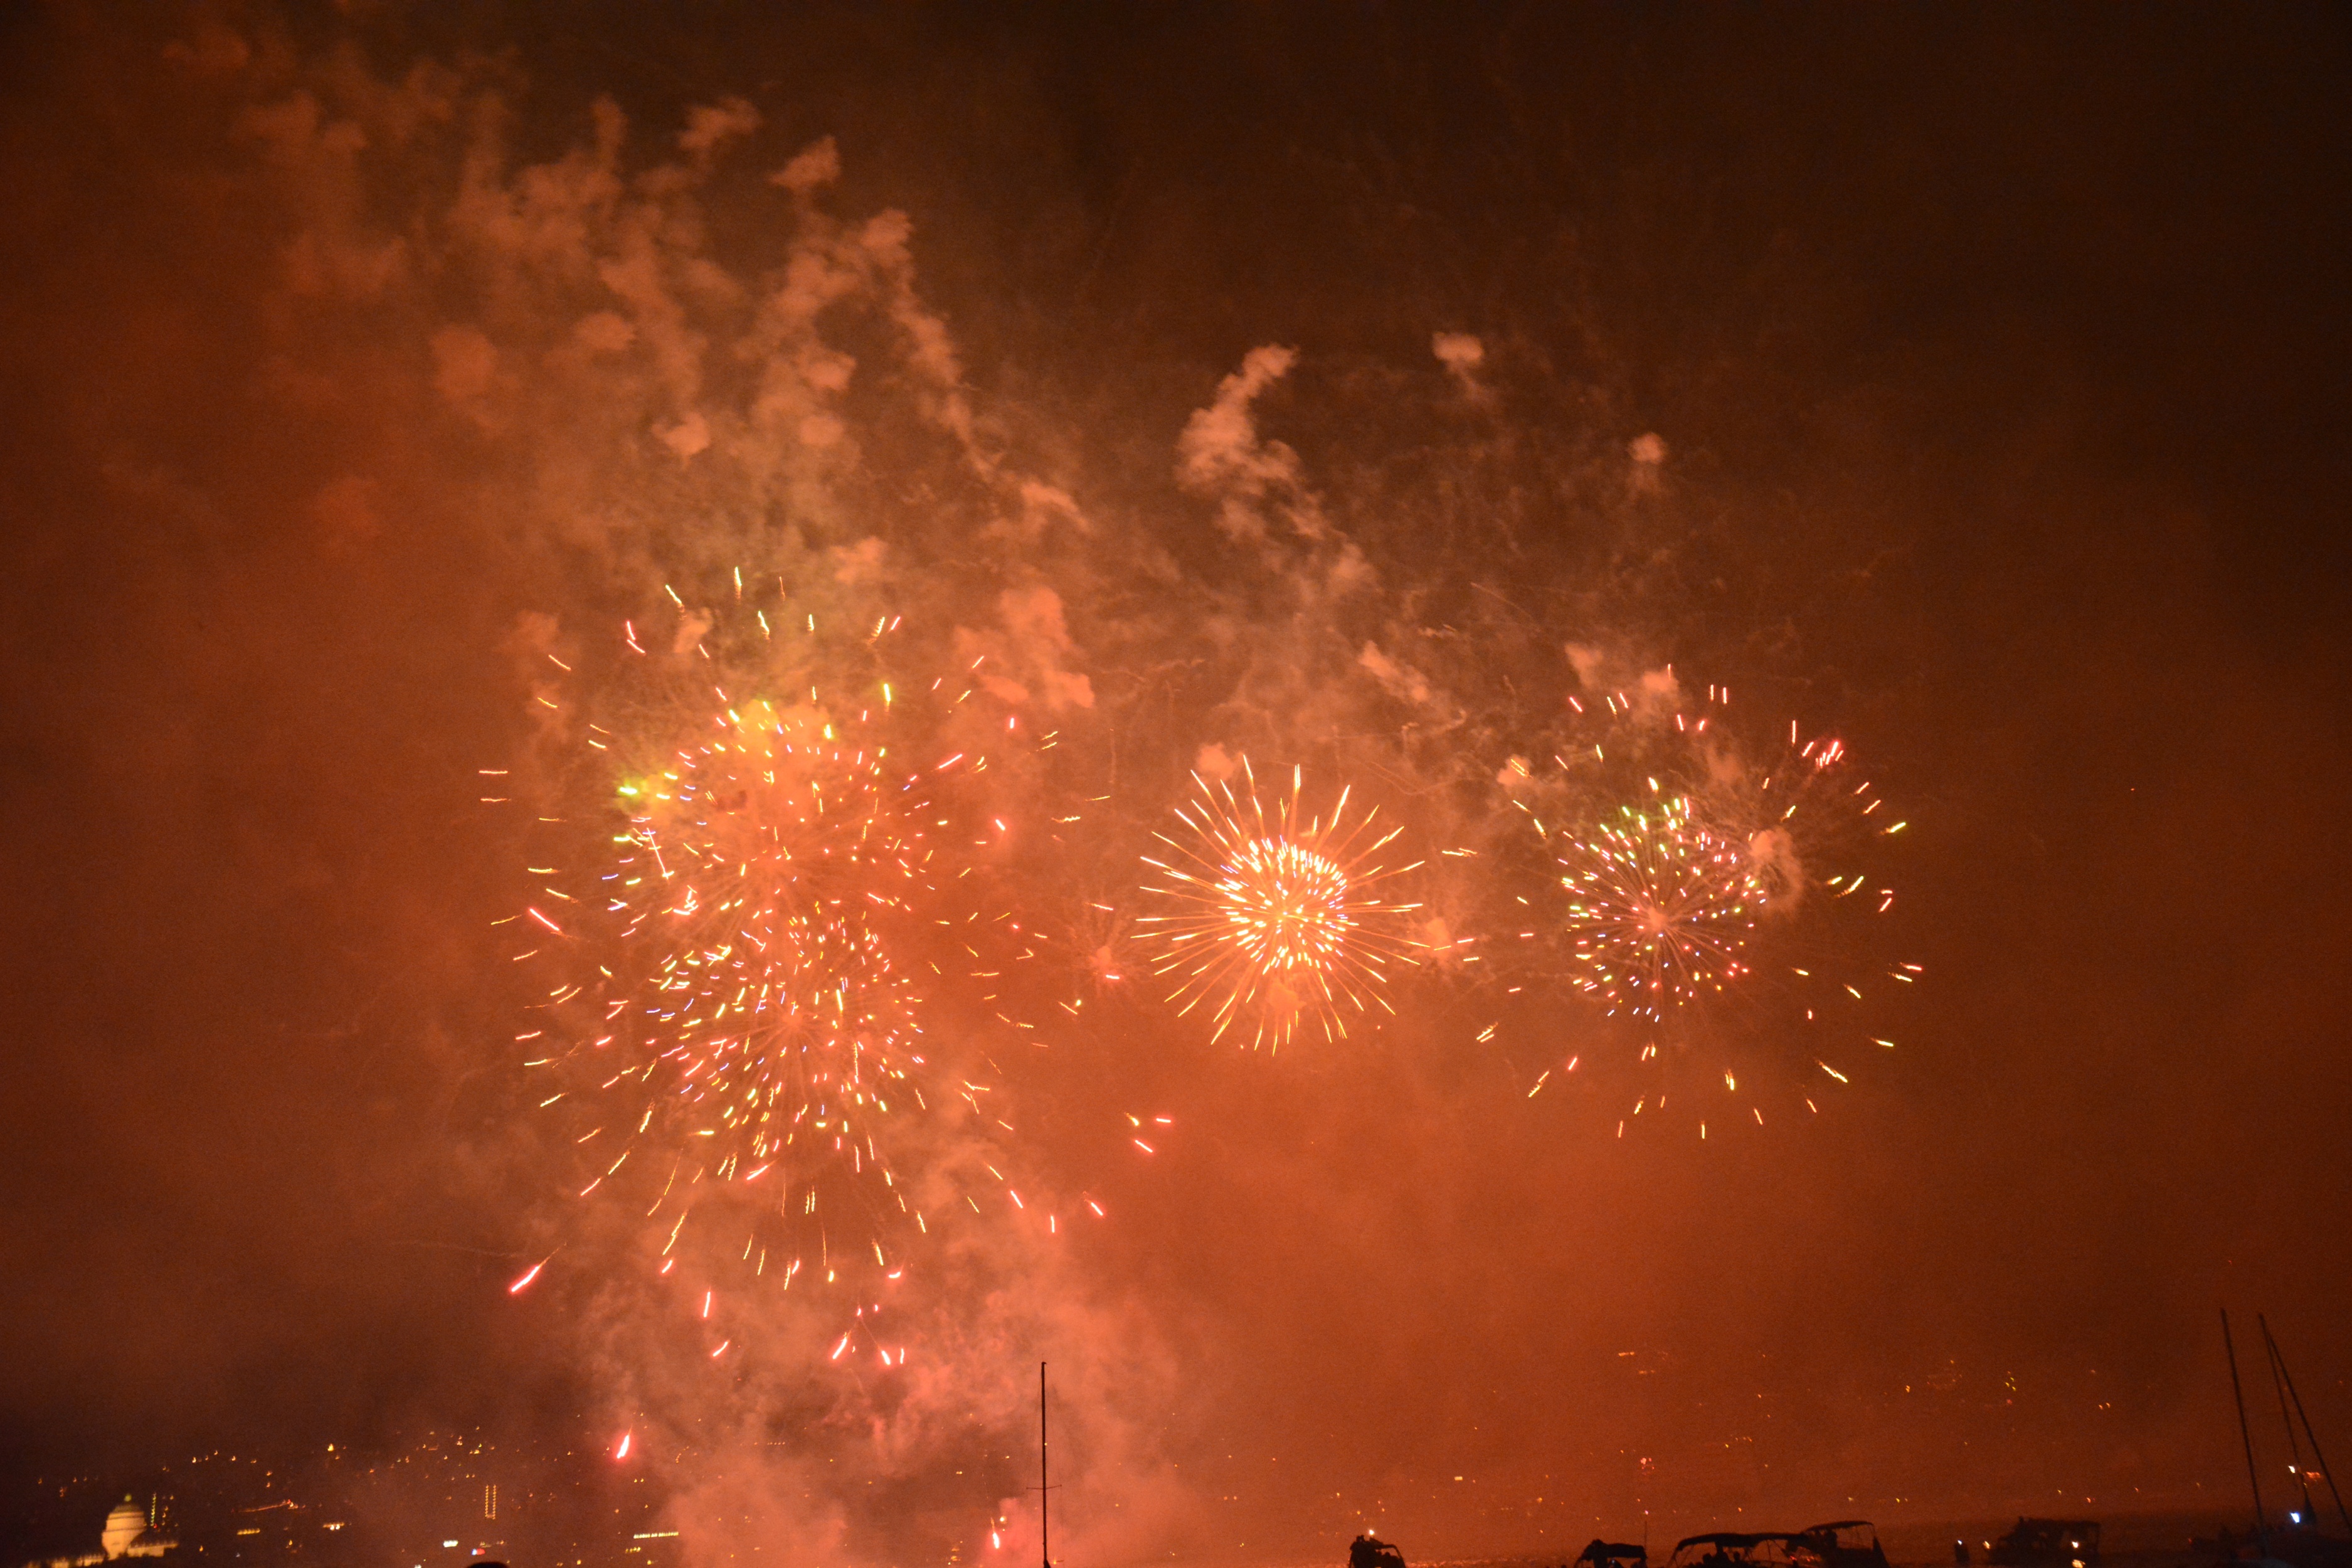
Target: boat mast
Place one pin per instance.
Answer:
(2245, 1435)
(2286, 1419)
(1044, 1492)
(2317, 1456)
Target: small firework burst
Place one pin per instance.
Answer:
(1274, 917)
(1718, 896)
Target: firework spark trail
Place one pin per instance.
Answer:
(1272, 920)
(740, 1012)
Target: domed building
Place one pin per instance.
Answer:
(123, 1526)
(131, 1532)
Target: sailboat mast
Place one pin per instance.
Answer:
(2317, 1456)
(2245, 1434)
(1044, 1492)
(2286, 1418)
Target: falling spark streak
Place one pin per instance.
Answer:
(1271, 916)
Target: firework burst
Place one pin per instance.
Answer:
(1270, 916)
(1719, 904)
(741, 1013)
(1659, 908)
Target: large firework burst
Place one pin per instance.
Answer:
(739, 1013)
(1273, 917)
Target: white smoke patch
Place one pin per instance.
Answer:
(713, 126)
(1214, 763)
(911, 1426)
(1588, 663)
(1400, 681)
(1027, 653)
(465, 373)
(1289, 639)
(689, 438)
(214, 49)
(1041, 507)
(857, 565)
(602, 332)
(692, 628)
(339, 253)
(780, 1504)
(537, 646)
(1253, 479)
(930, 351)
(815, 166)
(1722, 764)
(1348, 571)
(647, 405)
(1462, 353)
(1657, 694)
(1779, 868)
(1648, 697)
(1644, 477)
(1441, 945)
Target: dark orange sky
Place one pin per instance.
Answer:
(1997, 361)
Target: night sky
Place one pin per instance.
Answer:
(1970, 386)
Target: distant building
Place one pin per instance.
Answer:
(131, 1531)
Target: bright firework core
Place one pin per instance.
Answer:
(1271, 915)
(1287, 905)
